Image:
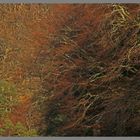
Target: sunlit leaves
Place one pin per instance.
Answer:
(7, 97)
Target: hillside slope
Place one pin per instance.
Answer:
(70, 70)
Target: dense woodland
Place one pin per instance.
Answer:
(69, 69)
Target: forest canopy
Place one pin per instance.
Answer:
(69, 69)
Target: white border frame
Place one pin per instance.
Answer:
(69, 1)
